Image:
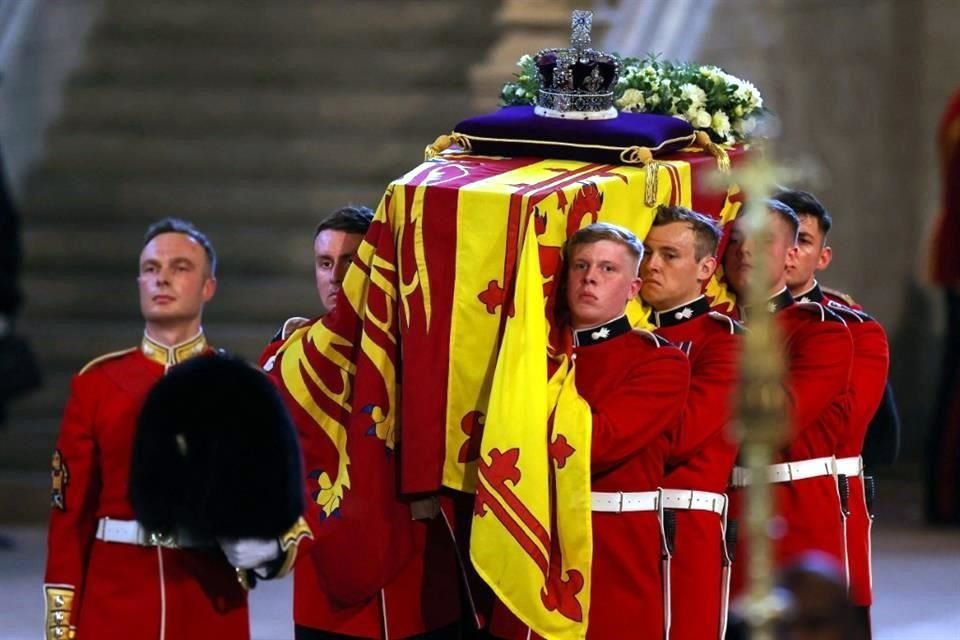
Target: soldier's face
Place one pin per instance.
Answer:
(812, 255)
(332, 253)
(601, 279)
(671, 273)
(778, 246)
(175, 280)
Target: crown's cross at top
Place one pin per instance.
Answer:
(581, 22)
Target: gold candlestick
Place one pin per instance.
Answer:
(761, 418)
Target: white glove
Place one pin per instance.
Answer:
(250, 553)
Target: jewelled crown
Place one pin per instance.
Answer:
(577, 82)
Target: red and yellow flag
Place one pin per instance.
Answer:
(340, 381)
(535, 557)
(397, 382)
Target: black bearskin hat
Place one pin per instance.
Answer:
(216, 454)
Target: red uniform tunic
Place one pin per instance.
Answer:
(701, 458)
(819, 353)
(636, 386)
(113, 589)
(945, 256)
(868, 378)
(424, 596)
(268, 355)
(942, 459)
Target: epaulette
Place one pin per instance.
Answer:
(846, 297)
(655, 338)
(843, 309)
(826, 315)
(105, 357)
(736, 328)
(289, 326)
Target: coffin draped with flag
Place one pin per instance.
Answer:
(418, 380)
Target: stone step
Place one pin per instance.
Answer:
(41, 409)
(384, 23)
(25, 495)
(101, 295)
(238, 157)
(66, 343)
(54, 197)
(241, 248)
(373, 115)
(157, 64)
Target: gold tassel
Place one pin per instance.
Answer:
(704, 142)
(636, 155)
(441, 144)
(650, 184)
(444, 142)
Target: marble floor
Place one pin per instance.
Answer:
(916, 576)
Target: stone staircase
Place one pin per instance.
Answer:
(253, 120)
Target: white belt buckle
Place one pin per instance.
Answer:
(157, 539)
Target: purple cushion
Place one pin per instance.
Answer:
(518, 131)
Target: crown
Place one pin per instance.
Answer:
(577, 83)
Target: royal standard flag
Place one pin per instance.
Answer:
(339, 379)
(397, 382)
(535, 557)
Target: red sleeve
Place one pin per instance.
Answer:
(871, 361)
(713, 377)
(819, 361)
(268, 352)
(945, 256)
(646, 404)
(74, 494)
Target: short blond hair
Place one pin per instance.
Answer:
(605, 231)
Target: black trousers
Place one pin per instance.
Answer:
(11, 253)
(943, 446)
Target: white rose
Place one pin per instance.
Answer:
(524, 59)
(631, 100)
(720, 123)
(694, 94)
(748, 94)
(729, 78)
(702, 120)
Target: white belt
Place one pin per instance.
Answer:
(788, 471)
(132, 532)
(694, 500)
(620, 501)
(850, 466)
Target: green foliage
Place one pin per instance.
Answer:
(725, 106)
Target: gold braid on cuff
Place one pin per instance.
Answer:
(59, 605)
